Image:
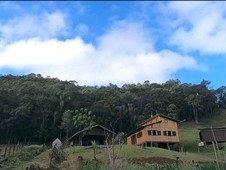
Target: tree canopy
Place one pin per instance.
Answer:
(37, 109)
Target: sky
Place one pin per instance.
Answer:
(97, 43)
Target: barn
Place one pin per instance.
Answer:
(97, 133)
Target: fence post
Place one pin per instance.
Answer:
(5, 152)
(10, 147)
(14, 147)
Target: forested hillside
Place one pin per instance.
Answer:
(35, 109)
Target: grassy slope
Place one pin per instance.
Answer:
(126, 152)
(188, 135)
(189, 131)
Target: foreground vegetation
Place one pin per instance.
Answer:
(126, 157)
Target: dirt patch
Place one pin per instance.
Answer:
(153, 160)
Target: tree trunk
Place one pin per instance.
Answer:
(67, 134)
(195, 115)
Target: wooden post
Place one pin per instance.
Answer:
(224, 156)
(10, 147)
(217, 147)
(217, 161)
(5, 152)
(14, 147)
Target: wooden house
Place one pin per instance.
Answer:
(216, 134)
(158, 131)
(97, 133)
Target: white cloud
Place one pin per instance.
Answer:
(45, 25)
(125, 38)
(199, 26)
(124, 54)
(82, 29)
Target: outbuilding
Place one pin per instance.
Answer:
(212, 134)
(97, 133)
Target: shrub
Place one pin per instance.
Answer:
(29, 152)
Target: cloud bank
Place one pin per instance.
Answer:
(199, 26)
(125, 53)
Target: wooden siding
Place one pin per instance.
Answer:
(159, 129)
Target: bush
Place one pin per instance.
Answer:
(208, 166)
(56, 157)
(29, 152)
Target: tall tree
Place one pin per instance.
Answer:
(67, 122)
(83, 118)
(195, 102)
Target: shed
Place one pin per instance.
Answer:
(97, 133)
(209, 135)
(57, 143)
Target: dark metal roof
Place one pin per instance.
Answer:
(211, 134)
(214, 128)
(87, 129)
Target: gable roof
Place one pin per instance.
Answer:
(142, 126)
(158, 114)
(87, 129)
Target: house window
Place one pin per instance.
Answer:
(154, 133)
(174, 133)
(169, 133)
(139, 135)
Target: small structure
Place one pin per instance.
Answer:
(158, 131)
(57, 143)
(97, 133)
(209, 135)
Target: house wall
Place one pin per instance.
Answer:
(151, 133)
(167, 128)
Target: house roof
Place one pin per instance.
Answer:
(214, 128)
(141, 125)
(158, 114)
(87, 129)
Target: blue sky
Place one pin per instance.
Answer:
(97, 43)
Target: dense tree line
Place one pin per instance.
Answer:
(37, 109)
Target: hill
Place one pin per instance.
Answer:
(126, 156)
